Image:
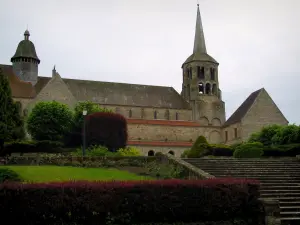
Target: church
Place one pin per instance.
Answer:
(159, 118)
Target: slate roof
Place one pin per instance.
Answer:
(121, 93)
(19, 88)
(26, 49)
(239, 114)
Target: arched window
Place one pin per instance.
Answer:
(200, 72)
(155, 114)
(151, 153)
(177, 116)
(130, 113)
(201, 88)
(208, 89)
(171, 152)
(212, 74)
(167, 115)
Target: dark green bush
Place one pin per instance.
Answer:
(249, 150)
(221, 150)
(199, 149)
(33, 147)
(7, 174)
(290, 150)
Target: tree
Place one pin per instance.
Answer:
(199, 149)
(11, 124)
(50, 121)
(287, 135)
(74, 137)
(265, 135)
(106, 129)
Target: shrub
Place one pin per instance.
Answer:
(200, 148)
(185, 153)
(94, 151)
(7, 174)
(129, 151)
(265, 135)
(130, 202)
(49, 121)
(249, 150)
(74, 137)
(33, 147)
(290, 150)
(221, 150)
(106, 129)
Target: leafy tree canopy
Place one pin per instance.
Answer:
(49, 121)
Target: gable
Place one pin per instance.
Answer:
(264, 111)
(55, 90)
(109, 93)
(238, 115)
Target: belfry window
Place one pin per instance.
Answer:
(201, 88)
(190, 73)
(212, 74)
(208, 89)
(200, 72)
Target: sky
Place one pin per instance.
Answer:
(256, 42)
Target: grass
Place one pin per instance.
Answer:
(38, 174)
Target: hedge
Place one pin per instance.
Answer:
(33, 147)
(106, 129)
(130, 202)
(290, 150)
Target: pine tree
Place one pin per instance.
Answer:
(10, 121)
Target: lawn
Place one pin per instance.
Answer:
(59, 173)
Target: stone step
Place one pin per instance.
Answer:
(294, 208)
(253, 169)
(228, 167)
(250, 165)
(261, 177)
(290, 214)
(245, 163)
(241, 173)
(279, 182)
(280, 195)
(279, 191)
(282, 160)
(287, 203)
(291, 187)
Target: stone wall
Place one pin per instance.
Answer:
(234, 134)
(263, 112)
(148, 150)
(149, 113)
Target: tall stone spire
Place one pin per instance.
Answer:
(199, 43)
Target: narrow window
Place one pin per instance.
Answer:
(167, 115)
(130, 113)
(199, 72)
(226, 135)
(235, 133)
(212, 74)
(201, 88)
(155, 115)
(207, 89)
(191, 73)
(142, 113)
(177, 116)
(202, 74)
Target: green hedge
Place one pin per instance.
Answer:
(249, 150)
(7, 174)
(34, 147)
(131, 202)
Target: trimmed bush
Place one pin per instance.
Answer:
(290, 150)
(221, 150)
(200, 148)
(33, 147)
(129, 151)
(94, 151)
(130, 202)
(249, 150)
(106, 129)
(7, 174)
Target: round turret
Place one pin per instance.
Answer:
(25, 60)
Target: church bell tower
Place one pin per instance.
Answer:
(200, 85)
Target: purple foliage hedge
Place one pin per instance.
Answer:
(129, 202)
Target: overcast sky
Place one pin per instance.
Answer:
(256, 42)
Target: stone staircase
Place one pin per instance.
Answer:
(280, 179)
